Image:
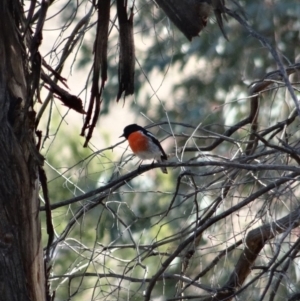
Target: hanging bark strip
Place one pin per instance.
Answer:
(69, 100)
(126, 56)
(35, 57)
(100, 64)
(190, 16)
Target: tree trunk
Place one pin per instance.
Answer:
(22, 274)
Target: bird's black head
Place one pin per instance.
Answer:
(129, 129)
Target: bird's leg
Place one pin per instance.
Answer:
(140, 165)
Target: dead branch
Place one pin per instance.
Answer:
(254, 243)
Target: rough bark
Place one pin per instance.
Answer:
(21, 257)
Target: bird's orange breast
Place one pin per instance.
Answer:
(138, 142)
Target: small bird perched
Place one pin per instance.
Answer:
(144, 145)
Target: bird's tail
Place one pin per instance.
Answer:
(163, 169)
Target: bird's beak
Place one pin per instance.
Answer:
(122, 136)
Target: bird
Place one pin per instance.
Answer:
(144, 144)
